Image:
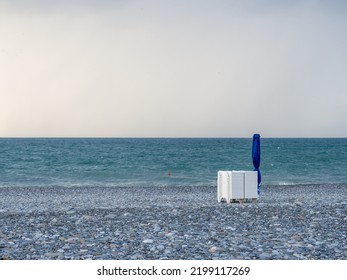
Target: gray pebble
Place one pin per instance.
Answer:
(289, 222)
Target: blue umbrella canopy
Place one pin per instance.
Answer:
(256, 157)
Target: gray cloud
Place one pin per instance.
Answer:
(154, 68)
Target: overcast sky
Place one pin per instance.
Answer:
(185, 68)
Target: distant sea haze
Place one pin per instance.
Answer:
(142, 162)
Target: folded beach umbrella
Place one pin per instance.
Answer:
(256, 157)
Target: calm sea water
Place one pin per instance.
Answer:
(148, 162)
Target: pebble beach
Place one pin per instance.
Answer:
(159, 223)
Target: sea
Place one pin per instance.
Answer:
(142, 162)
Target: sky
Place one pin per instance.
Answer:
(184, 68)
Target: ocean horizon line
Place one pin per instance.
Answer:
(168, 137)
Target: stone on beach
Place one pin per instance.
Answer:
(288, 222)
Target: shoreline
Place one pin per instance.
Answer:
(288, 222)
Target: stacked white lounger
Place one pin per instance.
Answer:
(237, 185)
